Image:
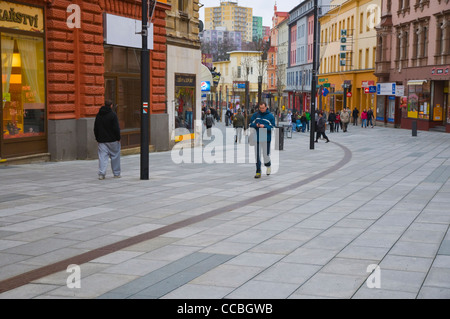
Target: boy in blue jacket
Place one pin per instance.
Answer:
(263, 121)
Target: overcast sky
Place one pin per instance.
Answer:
(261, 8)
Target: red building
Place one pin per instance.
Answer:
(60, 60)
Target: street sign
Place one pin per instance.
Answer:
(370, 89)
(325, 92)
(386, 88)
(349, 94)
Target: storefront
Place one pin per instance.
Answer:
(60, 60)
(23, 107)
(185, 85)
(426, 101)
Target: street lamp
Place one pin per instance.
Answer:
(145, 94)
(314, 80)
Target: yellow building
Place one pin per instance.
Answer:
(243, 66)
(232, 17)
(347, 54)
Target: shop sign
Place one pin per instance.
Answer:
(185, 80)
(386, 88)
(21, 17)
(400, 90)
(205, 86)
(122, 31)
(440, 71)
(370, 89)
(366, 84)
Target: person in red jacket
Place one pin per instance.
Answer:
(364, 118)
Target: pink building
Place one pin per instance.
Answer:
(310, 39)
(413, 64)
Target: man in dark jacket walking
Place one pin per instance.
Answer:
(107, 134)
(320, 129)
(263, 122)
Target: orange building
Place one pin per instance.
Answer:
(60, 60)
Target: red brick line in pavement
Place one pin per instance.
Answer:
(26, 278)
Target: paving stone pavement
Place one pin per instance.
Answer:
(365, 216)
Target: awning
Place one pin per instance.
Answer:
(416, 82)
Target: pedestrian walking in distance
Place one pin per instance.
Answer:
(239, 124)
(209, 122)
(107, 134)
(320, 129)
(345, 118)
(263, 122)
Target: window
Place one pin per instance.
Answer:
(23, 86)
(373, 56)
(425, 42)
(361, 18)
(367, 59)
(123, 85)
(360, 59)
(182, 6)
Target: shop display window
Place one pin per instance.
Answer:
(23, 86)
(123, 85)
(419, 101)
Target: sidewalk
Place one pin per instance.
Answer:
(316, 228)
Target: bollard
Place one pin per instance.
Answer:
(414, 128)
(280, 138)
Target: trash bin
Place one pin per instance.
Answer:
(279, 138)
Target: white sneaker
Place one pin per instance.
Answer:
(117, 176)
(268, 171)
(100, 177)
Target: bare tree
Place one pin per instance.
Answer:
(280, 73)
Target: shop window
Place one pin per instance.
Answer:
(419, 101)
(184, 101)
(23, 86)
(123, 85)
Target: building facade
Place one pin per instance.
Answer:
(231, 16)
(274, 91)
(347, 53)
(299, 69)
(183, 69)
(413, 61)
(60, 60)
(219, 36)
(243, 66)
(257, 32)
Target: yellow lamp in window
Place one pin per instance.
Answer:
(16, 62)
(15, 79)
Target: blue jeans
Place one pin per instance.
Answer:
(364, 123)
(189, 119)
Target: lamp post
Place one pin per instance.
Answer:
(313, 80)
(145, 94)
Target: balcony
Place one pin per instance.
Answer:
(382, 68)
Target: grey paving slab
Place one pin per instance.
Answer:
(387, 206)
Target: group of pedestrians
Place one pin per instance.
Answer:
(367, 117)
(262, 121)
(299, 121)
(338, 120)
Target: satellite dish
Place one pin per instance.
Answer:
(200, 26)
